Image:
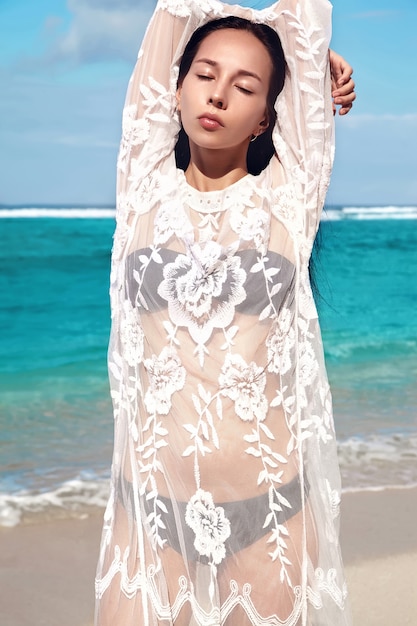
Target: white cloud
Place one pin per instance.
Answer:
(101, 30)
(51, 24)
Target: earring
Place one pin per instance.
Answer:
(253, 138)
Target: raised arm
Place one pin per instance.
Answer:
(304, 109)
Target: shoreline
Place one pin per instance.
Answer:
(78, 499)
(47, 569)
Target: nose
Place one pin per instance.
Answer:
(218, 98)
(218, 102)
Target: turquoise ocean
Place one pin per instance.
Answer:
(56, 423)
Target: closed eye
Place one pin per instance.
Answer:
(244, 90)
(204, 77)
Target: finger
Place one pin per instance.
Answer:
(345, 109)
(345, 104)
(349, 98)
(344, 75)
(347, 88)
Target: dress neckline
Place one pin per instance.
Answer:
(211, 201)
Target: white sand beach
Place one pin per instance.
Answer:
(47, 569)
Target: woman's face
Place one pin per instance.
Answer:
(223, 98)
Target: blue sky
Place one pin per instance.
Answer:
(64, 67)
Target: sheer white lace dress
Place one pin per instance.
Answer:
(225, 487)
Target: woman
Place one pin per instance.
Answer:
(225, 486)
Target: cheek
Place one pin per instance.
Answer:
(185, 105)
(185, 110)
(255, 113)
(186, 94)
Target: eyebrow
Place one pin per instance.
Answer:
(240, 72)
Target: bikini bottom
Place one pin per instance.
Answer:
(247, 518)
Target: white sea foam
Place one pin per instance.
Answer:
(71, 497)
(330, 214)
(64, 213)
(370, 213)
(376, 462)
(393, 447)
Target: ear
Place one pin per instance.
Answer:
(263, 124)
(261, 127)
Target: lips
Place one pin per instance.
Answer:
(210, 121)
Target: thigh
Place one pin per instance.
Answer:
(270, 586)
(119, 605)
(174, 571)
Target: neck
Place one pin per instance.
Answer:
(212, 170)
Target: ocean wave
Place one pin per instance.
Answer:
(60, 213)
(72, 497)
(378, 461)
(370, 213)
(375, 462)
(331, 213)
(353, 348)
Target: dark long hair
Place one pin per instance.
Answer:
(261, 150)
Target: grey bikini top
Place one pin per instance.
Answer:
(148, 280)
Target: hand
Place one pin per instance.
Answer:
(343, 86)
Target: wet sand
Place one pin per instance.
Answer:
(47, 569)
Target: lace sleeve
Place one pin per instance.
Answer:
(303, 135)
(150, 122)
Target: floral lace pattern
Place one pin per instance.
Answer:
(245, 385)
(202, 289)
(166, 376)
(210, 525)
(216, 364)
